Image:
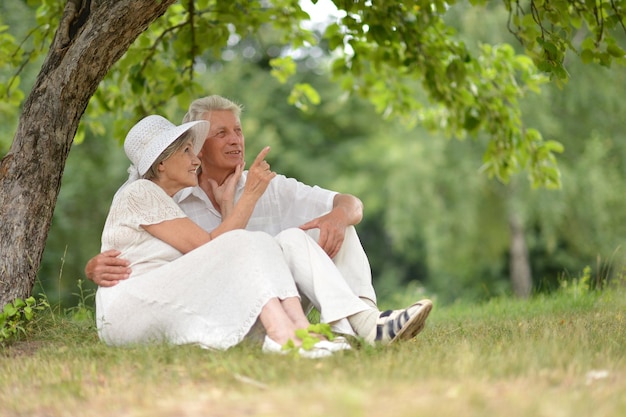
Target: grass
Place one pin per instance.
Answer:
(562, 355)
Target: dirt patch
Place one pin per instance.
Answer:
(21, 348)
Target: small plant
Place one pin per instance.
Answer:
(578, 286)
(16, 315)
(310, 336)
(82, 312)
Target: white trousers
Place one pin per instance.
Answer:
(334, 287)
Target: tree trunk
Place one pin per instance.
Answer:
(521, 276)
(92, 35)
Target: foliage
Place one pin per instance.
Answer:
(550, 28)
(83, 311)
(310, 336)
(16, 316)
(578, 286)
(384, 52)
(397, 45)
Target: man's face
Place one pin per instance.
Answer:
(224, 147)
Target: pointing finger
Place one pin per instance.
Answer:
(261, 156)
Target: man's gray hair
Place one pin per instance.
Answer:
(201, 108)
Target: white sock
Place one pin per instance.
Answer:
(364, 323)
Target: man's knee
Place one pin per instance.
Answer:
(293, 234)
(313, 234)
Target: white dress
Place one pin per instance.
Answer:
(211, 296)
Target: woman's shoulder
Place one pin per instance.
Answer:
(141, 190)
(144, 184)
(145, 199)
(141, 186)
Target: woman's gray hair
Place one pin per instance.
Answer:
(153, 171)
(199, 108)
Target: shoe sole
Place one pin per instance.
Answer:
(416, 324)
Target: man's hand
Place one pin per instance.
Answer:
(347, 211)
(106, 269)
(259, 175)
(332, 231)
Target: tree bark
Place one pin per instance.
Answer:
(521, 275)
(92, 35)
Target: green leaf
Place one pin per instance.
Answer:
(301, 333)
(290, 345)
(10, 310)
(471, 121)
(303, 95)
(283, 68)
(615, 51)
(28, 313)
(322, 329)
(18, 303)
(554, 146)
(587, 56)
(550, 48)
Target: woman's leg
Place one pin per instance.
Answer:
(278, 325)
(281, 320)
(293, 309)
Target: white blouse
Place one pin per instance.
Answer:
(141, 202)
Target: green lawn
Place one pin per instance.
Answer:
(562, 355)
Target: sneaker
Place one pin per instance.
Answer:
(397, 325)
(338, 344)
(270, 346)
(316, 352)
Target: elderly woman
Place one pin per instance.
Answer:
(189, 286)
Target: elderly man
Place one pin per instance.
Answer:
(324, 219)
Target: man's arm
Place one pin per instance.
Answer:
(347, 211)
(106, 269)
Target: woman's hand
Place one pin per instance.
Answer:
(259, 177)
(225, 193)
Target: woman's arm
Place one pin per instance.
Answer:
(185, 235)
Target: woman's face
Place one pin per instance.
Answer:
(179, 170)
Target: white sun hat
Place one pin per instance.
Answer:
(152, 135)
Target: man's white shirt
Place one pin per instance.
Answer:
(286, 203)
